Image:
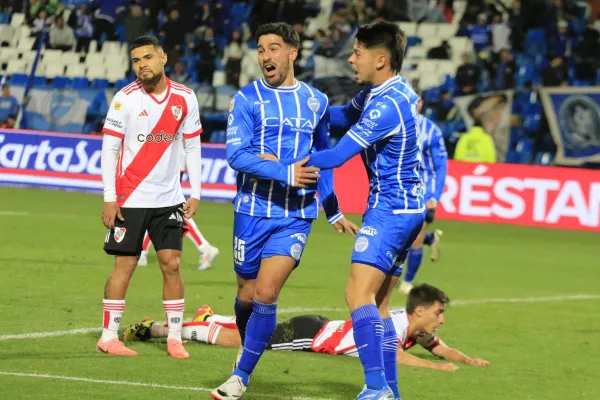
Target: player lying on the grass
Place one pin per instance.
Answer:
(433, 172)
(416, 324)
(208, 253)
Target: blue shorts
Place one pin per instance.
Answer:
(385, 239)
(255, 238)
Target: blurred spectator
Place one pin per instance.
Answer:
(361, 13)
(10, 123)
(174, 36)
(339, 26)
(41, 22)
(473, 10)
(447, 8)
(480, 34)
(179, 75)
(207, 49)
(9, 106)
(555, 74)
(262, 12)
(500, 33)
(441, 52)
(560, 43)
(11, 6)
(586, 54)
(516, 22)
(393, 10)
(81, 22)
(324, 46)
(505, 71)
(477, 145)
(299, 28)
(206, 17)
(292, 12)
(467, 75)
(52, 7)
(232, 58)
(61, 36)
(105, 17)
(136, 23)
(417, 10)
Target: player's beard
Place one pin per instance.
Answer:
(152, 81)
(278, 79)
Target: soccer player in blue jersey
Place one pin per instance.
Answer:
(385, 135)
(433, 172)
(281, 118)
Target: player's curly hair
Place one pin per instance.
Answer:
(385, 35)
(281, 29)
(424, 295)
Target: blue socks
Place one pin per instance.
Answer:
(258, 332)
(242, 315)
(390, 347)
(415, 256)
(429, 239)
(368, 336)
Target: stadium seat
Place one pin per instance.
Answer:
(525, 151)
(70, 57)
(17, 20)
(94, 60)
(53, 70)
(543, 158)
(6, 34)
(100, 84)
(60, 82)
(23, 31)
(409, 28)
(75, 70)
(7, 54)
(428, 67)
(512, 157)
(447, 67)
(96, 72)
(121, 83)
(52, 55)
(16, 67)
(39, 81)
(19, 79)
(446, 31)
(93, 47)
(115, 74)
(427, 30)
(111, 48)
(416, 53)
(25, 43)
(80, 83)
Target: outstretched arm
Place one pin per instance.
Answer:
(404, 358)
(343, 117)
(446, 352)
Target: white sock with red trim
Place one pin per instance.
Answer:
(227, 322)
(113, 311)
(174, 310)
(201, 331)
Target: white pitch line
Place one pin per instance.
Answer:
(128, 383)
(14, 213)
(466, 302)
(36, 335)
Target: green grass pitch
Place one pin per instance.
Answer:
(514, 289)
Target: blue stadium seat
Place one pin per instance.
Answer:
(80, 83)
(4, 18)
(19, 79)
(535, 42)
(121, 83)
(544, 158)
(598, 77)
(525, 151)
(100, 84)
(60, 82)
(412, 41)
(39, 81)
(512, 157)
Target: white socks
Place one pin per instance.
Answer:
(113, 312)
(174, 310)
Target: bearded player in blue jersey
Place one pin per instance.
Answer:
(276, 117)
(385, 134)
(433, 172)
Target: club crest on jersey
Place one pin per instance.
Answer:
(313, 103)
(119, 234)
(231, 105)
(117, 106)
(177, 112)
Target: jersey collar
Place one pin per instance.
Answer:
(281, 89)
(166, 96)
(381, 87)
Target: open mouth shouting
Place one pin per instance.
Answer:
(269, 70)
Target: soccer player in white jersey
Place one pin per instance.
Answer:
(208, 252)
(147, 121)
(415, 324)
(275, 205)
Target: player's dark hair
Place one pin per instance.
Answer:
(424, 295)
(281, 29)
(385, 35)
(145, 41)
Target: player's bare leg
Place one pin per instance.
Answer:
(363, 286)
(114, 305)
(173, 300)
(273, 274)
(390, 338)
(413, 261)
(143, 260)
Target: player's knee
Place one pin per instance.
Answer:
(170, 267)
(266, 293)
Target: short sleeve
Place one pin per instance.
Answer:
(192, 126)
(115, 123)
(380, 119)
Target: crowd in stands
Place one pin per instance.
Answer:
(503, 44)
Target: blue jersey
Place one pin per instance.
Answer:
(386, 136)
(288, 123)
(435, 158)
